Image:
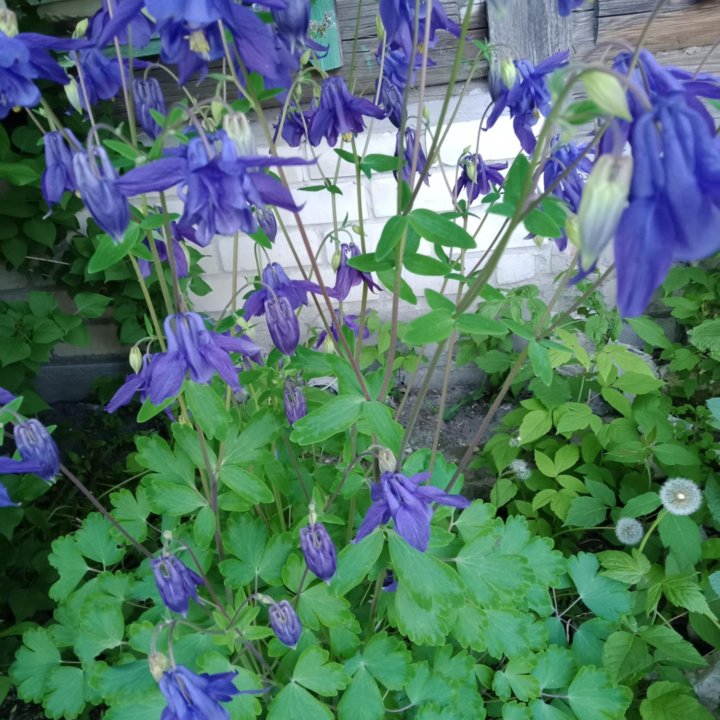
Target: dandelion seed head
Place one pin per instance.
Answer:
(521, 469)
(629, 531)
(680, 496)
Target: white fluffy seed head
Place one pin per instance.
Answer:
(629, 531)
(521, 469)
(680, 496)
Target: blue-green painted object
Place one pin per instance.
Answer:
(324, 29)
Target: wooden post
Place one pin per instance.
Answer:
(529, 29)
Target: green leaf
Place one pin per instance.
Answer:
(671, 648)
(593, 697)
(34, 661)
(706, 337)
(628, 569)
(335, 416)
(571, 417)
(516, 680)
(684, 591)
(424, 265)
(65, 693)
(355, 562)
(18, 173)
(91, 305)
(40, 231)
(435, 326)
(95, 541)
(248, 486)
(296, 703)
(362, 700)
(67, 559)
(101, 627)
(670, 701)
(388, 659)
(625, 654)
(585, 512)
(423, 626)
(536, 424)
(607, 598)
(675, 454)
(681, 536)
(314, 672)
(390, 236)
(540, 223)
(641, 505)
(381, 423)
(109, 252)
(437, 301)
(649, 331)
(208, 409)
(439, 230)
(474, 324)
(616, 400)
(369, 262)
(387, 278)
(516, 179)
(171, 498)
(131, 511)
(540, 361)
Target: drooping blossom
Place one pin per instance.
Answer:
(148, 96)
(282, 323)
(266, 220)
(134, 383)
(5, 499)
(318, 550)
(276, 283)
(99, 76)
(348, 277)
(409, 148)
(176, 583)
(339, 112)
(294, 402)
(179, 257)
(406, 501)
(528, 98)
(295, 125)
(348, 321)
(285, 623)
(38, 452)
(477, 177)
(127, 22)
(197, 697)
(58, 175)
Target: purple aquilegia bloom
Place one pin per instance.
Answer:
(99, 76)
(135, 383)
(266, 220)
(477, 177)
(408, 152)
(318, 550)
(5, 396)
(348, 277)
(295, 126)
(407, 501)
(176, 583)
(285, 623)
(5, 499)
(565, 7)
(17, 76)
(528, 98)
(348, 321)
(275, 282)
(674, 209)
(195, 351)
(179, 256)
(282, 324)
(294, 402)
(197, 697)
(127, 22)
(39, 453)
(58, 175)
(293, 22)
(148, 96)
(339, 112)
(391, 101)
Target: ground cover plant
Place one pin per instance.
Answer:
(275, 550)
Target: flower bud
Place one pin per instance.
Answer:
(379, 28)
(603, 202)
(72, 93)
(8, 22)
(285, 623)
(80, 29)
(336, 258)
(175, 582)
(237, 128)
(294, 401)
(266, 220)
(386, 460)
(318, 550)
(607, 93)
(508, 72)
(38, 449)
(159, 665)
(135, 358)
(282, 324)
(148, 96)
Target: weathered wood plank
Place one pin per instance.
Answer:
(530, 30)
(631, 7)
(690, 26)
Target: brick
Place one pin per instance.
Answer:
(317, 208)
(515, 267)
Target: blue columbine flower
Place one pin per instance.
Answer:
(127, 22)
(5, 499)
(295, 126)
(674, 209)
(477, 177)
(282, 324)
(195, 351)
(293, 22)
(58, 175)
(318, 550)
(17, 76)
(179, 256)
(5, 396)
(285, 623)
(565, 7)
(39, 453)
(197, 697)
(266, 220)
(275, 282)
(407, 501)
(408, 152)
(294, 402)
(176, 583)
(348, 277)
(99, 78)
(148, 96)
(339, 112)
(348, 321)
(528, 98)
(139, 382)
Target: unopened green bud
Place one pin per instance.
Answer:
(72, 93)
(159, 665)
(217, 109)
(572, 230)
(305, 58)
(604, 199)
(471, 169)
(379, 28)
(237, 128)
(336, 260)
(508, 72)
(386, 460)
(80, 29)
(135, 358)
(426, 114)
(8, 22)
(607, 93)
